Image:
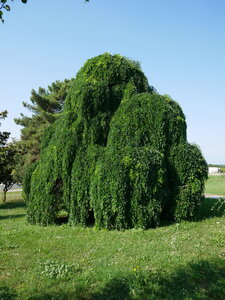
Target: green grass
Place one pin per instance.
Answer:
(11, 196)
(180, 261)
(215, 185)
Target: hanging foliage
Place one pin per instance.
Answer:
(118, 156)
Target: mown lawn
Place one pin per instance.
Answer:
(215, 185)
(179, 261)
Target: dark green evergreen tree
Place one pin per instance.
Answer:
(118, 156)
(45, 107)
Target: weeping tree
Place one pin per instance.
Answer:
(118, 156)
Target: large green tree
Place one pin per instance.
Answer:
(118, 156)
(45, 107)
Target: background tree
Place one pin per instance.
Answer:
(7, 159)
(46, 106)
(3, 135)
(8, 156)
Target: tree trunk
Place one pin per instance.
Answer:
(4, 197)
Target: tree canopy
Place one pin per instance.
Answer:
(118, 156)
(3, 135)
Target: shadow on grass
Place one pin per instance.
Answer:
(7, 294)
(13, 204)
(11, 217)
(201, 280)
(210, 208)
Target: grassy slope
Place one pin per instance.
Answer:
(180, 261)
(215, 185)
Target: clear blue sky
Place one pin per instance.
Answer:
(180, 44)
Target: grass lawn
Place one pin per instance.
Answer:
(11, 196)
(215, 185)
(179, 261)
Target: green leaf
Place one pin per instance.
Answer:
(1, 16)
(7, 7)
(24, 1)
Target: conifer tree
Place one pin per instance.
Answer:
(45, 107)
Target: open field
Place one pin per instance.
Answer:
(11, 196)
(179, 261)
(215, 185)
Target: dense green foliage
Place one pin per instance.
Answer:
(117, 156)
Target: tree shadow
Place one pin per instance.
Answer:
(11, 217)
(201, 280)
(204, 279)
(116, 289)
(211, 207)
(13, 204)
(51, 296)
(7, 293)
